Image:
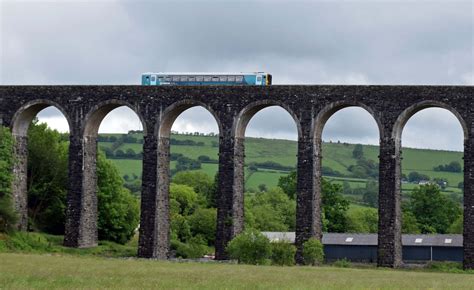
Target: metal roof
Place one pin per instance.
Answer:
(449, 240)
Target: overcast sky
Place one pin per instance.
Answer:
(326, 42)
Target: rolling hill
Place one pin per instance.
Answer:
(336, 156)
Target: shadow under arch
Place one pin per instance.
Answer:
(96, 115)
(246, 114)
(415, 108)
(327, 112)
(171, 113)
(22, 118)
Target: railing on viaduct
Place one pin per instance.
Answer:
(310, 106)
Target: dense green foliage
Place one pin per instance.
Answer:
(118, 210)
(47, 188)
(334, 207)
(313, 252)
(270, 211)
(250, 247)
(47, 178)
(434, 212)
(283, 253)
(8, 216)
(453, 166)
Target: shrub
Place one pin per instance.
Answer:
(250, 247)
(194, 248)
(313, 253)
(342, 263)
(283, 254)
(452, 267)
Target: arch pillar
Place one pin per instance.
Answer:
(81, 211)
(154, 217)
(389, 252)
(19, 184)
(308, 196)
(468, 225)
(230, 200)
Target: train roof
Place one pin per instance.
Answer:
(202, 73)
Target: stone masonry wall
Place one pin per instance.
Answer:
(310, 106)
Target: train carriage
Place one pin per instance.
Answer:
(199, 79)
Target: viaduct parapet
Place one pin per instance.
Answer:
(232, 106)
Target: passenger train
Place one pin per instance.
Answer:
(199, 79)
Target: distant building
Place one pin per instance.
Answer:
(363, 247)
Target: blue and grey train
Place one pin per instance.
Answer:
(199, 79)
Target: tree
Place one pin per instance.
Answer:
(271, 210)
(130, 153)
(434, 212)
(185, 196)
(371, 194)
(334, 207)
(288, 184)
(202, 184)
(47, 178)
(362, 220)
(414, 176)
(47, 184)
(118, 209)
(203, 222)
(358, 152)
(8, 216)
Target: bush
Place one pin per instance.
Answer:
(452, 267)
(342, 263)
(250, 247)
(283, 254)
(194, 248)
(313, 253)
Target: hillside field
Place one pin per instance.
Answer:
(26, 271)
(337, 156)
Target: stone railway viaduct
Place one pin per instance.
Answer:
(232, 106)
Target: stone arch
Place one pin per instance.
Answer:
(98, 112)
(171, 113)
(23, 116)
(415, 108)
(81, 214)
(20, 123)
(246, 114)
(323, 116)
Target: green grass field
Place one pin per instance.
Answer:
(26, 271)
(337, 156)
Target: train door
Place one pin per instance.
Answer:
(259, 80)
(153, 80)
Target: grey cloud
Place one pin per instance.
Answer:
(336, 42)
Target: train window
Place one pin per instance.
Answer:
(259, 78)
(239, 79)
(215, 78)
(184, 78)
(231, 78)
(222, 78)
(192, 79)
(199, 78)
(207, 78)
(175, 78)
(153, 78)
(168, 79)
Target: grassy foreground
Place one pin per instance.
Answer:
(65, 271)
